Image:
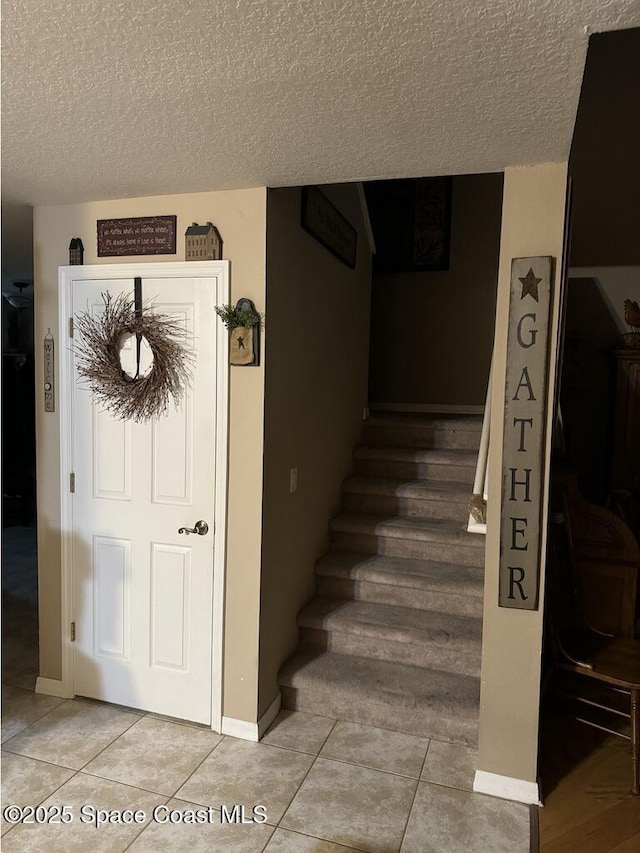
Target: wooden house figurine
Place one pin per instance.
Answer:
(76, 252)
(202, 243)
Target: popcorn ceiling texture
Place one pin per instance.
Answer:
(108, 100)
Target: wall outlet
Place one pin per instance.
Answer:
(293, 480)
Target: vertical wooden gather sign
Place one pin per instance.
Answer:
(524, 430)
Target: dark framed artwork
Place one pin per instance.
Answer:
(320, 218)
(411, 222)
(137, 235)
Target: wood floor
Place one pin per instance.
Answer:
(586, 782)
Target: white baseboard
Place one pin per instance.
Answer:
(428, 408)
(53, 687)
(506, 787)
(251, 731)
(269, 715)
(240, 729)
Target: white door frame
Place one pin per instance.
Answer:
(172, 269)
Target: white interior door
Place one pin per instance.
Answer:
(143, 592)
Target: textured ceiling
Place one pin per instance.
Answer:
(107, 100)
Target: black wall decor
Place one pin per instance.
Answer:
(324, 221)
(411, 222)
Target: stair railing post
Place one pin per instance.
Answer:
(478, 503)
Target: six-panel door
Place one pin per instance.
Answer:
(142, 592)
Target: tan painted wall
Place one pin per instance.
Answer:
(532, 224)
(316, 388)
(241, 219)
(420, 321)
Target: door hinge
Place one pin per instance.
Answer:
(73, 632)
(72, 483)
(70, 327)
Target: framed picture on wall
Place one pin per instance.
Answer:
(320, 218)
(411, 221)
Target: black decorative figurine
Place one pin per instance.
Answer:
(76, 252)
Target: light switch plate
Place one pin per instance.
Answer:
(293, 480)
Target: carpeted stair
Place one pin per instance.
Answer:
(393, 636)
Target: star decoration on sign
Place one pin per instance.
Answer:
(530, 285)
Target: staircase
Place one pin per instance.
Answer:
(393, 636)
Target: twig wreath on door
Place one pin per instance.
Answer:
(106, 336)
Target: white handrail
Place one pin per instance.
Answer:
(478, 503)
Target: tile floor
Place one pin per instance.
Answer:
(327, 786)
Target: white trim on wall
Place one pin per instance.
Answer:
(269, 715)
(428, 408)
(240, 729)
(53, 687)
(507, 787)
(65, 300)
(252, 731)
(220, 504)
(365, 216)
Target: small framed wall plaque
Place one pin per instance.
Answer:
(325, 222)
(137, 235)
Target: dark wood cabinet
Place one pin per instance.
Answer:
(606, 559)
(626, 435)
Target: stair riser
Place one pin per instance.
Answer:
(431, 656)
(413, 548)
(396, 470)
(422, 721)
(444, 439)
(392, 505)
(386, 593)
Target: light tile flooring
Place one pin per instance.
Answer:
(327, 786)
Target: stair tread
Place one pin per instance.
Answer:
(394, 622)
(445, 456)
(407, 526)
(403, 571)
(426, 489)
(392, 419)
(385, 682)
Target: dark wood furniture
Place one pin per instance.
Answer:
(603, 670)
(606, 558)
(626, 437)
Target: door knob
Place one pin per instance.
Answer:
(201, 528)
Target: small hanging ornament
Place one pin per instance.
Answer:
(243, 322)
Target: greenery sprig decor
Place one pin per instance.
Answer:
(235, 317)
(100, 341)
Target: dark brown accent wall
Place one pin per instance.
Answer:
(605, 163)
(432, 332)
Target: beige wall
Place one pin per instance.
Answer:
(420, 321)
(241, 219)
(316, 389)
(532, 224)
